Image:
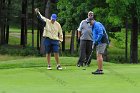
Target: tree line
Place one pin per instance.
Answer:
(114, 14)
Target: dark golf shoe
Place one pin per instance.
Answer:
(79, 64)
(98, 72)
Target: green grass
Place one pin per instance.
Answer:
(8, 57)
(31, 76)
(15, 30)
(14, 41)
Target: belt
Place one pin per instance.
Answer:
(46, 37)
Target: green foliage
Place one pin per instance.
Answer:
(114, 21)
(121, 8)
(116, 55)
(72, 12)
(119, 38)
(118, 6)
(100, 14)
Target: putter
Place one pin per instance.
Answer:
(89, 57)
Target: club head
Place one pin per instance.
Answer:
(84, 68)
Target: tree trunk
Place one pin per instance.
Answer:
(32, 23)
(134, 36)
(47, 8)
(7, 33)
(126, 39)
(24, 23)
(72, 42)
(77, 41)
(4, 30)
(7, 21)
(38, 30)
(63, 43)
(2, 22)
(47, 12)
(0, 34)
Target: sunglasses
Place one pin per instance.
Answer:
(90, 15)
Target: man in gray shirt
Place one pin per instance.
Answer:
(85, 37)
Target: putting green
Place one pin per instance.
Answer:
(118, 78)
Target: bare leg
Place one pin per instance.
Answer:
(100, 61)
(56, 55)
(48, 57)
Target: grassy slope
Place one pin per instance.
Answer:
(31, 76)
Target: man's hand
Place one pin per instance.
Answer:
(36, 10)
(60, 42)
(95, 43)
(93, 46)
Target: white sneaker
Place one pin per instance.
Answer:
(59, 67)
(49, 68)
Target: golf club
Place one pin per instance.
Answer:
(85, 65)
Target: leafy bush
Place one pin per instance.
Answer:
(119, 39)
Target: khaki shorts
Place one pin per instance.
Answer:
(101, 48)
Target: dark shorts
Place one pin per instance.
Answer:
(51, 45)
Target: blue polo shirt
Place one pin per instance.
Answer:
(99, 33)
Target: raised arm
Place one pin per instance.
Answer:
(39, 16)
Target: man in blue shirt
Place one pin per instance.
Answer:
(100, 40)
